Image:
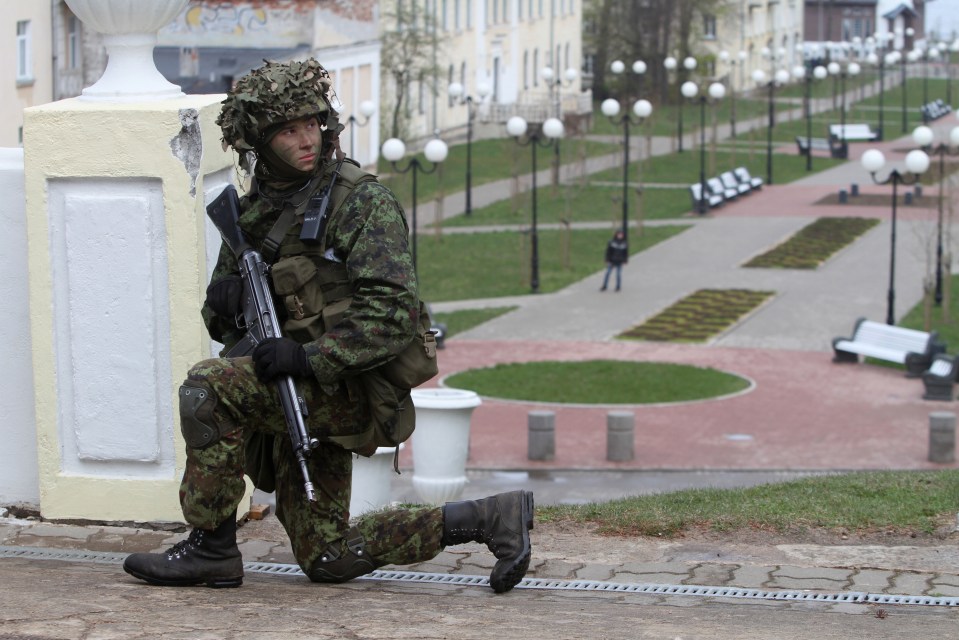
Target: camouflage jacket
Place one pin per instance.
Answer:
(367, 238)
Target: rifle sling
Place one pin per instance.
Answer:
(271, 243)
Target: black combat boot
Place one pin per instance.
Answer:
(207, 556)
(503, 522)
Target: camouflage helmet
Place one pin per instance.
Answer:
(273, 94)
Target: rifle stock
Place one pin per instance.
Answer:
(262, 321)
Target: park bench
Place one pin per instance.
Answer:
(742, 174)
(846, 132)
(939, 378)
(730, 182)
(910, 347)
(695, 190)
(716, 187)
(835, 148)
(934, 110)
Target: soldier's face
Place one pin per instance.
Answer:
(298, 142)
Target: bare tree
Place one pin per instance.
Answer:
(410, 44)
(648, 30)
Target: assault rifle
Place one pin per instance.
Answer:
(261, 321)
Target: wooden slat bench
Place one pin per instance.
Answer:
(835, 148)
(940, 377)
(910, 347)
(742, 174)
(845, 132)
(730, 182)
(934, 110)
(696, 189)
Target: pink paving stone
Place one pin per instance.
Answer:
(804, 412)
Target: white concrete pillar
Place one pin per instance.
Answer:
(18, 451)
(116, 227)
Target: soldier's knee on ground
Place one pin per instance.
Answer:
(343, 560)
(199, 424)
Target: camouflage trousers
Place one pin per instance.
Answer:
(213, 485)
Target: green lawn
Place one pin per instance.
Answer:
(570, 203)
(491, 160)
(902, 502)
(497, 263)
(598, 382)
(683, 168)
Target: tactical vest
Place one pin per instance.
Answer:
(315, 291)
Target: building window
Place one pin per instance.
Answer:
(709, 26)
(73, 39)
(24, 63)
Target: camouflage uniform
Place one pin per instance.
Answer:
(369, 234)
(233, 422)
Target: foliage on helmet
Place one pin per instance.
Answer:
(273, 94)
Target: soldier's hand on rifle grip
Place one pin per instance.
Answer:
(275, 357)
(225, 296)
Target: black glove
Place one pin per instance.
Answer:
(275, 357)
(225, 296)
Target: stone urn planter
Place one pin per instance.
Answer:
(372, 481)
(129, 29)
(441, 442)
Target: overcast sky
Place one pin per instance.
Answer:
(943, 16)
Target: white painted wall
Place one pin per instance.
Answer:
(18, 444)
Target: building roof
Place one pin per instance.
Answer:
(900, 10)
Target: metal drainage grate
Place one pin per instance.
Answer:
(275, 568)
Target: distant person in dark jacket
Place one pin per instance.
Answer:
(617, 254)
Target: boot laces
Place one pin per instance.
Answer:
(182, 548)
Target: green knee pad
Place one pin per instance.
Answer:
(334, 566)
(197, 423)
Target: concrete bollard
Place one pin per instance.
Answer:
(620, 426)
(542, 435)
(942, 436)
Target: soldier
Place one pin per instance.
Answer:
(352, 305)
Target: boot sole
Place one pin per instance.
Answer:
(517, 572)
(213, 583)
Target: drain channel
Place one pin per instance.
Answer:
(275, 568)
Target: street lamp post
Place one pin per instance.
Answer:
(954, 47)
(690, 91)
(929, 53)
(367, 109)
(555, 83)
(670, 64)
(916, 164)
(435, 151)
(618, 67)
(909, 57)
(852, 69)
(545, 136)
(881, 59)
(923, 136)
(689, 63)
(610, 109)
(457, 92)
(781, 77)
(817, 74)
